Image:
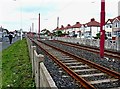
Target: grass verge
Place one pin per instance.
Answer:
(16, 66)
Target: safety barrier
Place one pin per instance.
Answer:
(39, 71)
(109, 44)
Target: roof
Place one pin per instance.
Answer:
(68, 26)
(93, 23)
(111, 20)
(56, 28)
(62, 27)
(118, 17)
(77, 25)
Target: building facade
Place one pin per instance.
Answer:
(91, 29)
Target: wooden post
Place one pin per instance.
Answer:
(37, 59)
(32, 59)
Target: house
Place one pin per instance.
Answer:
(62, 29)
(92, 28)
(4, 32)
(116, 26)
(112, 27)
(77, 29)
(108, 28)
(68, 29)
(57, 28)
(89, 29)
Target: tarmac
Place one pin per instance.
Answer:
(5, 42)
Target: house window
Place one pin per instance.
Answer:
(68, 32)
(116, 25)
(107, 26)
(110, 26)
(109, 34)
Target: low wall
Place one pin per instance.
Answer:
(109, 44)
(39, 71)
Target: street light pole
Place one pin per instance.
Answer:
(57, 21)
(102, 28)
(32, 29)
(39, 27)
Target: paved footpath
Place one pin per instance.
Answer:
(5, 42)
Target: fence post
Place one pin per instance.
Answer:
(37, 60)
(32, 59)
(28, 43)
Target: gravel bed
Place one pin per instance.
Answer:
(58, 77)
(68, 82)
(113, 64)
(61, 82)
(108, 85)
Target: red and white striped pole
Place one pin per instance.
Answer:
(39, 26)
(102, 29)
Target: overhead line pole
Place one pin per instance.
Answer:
(39, 26)
(57, 21)
(102, 28)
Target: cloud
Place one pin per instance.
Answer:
(69, 11)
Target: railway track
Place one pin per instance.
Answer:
(107, 53)
(87, 73)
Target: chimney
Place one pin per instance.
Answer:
(77, 23)
(62, 26)
(92, 19)
(68, 24)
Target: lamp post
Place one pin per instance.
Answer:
(102, 29)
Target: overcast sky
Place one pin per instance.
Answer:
(16, 14)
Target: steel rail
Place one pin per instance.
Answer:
(92, 64)
(80, 80)
(91, 49)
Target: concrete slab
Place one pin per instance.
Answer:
(85, 70)
(90, 75)
(103, 81)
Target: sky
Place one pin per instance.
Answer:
(17, 14)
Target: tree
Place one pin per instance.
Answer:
(45, 32)
(98, 36)
(59, 33)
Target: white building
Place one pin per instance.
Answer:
(92, 28)
(77, 29)
(112, 27)
(116, 26)
(62, 29)
(68, 29)
(108, 28)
